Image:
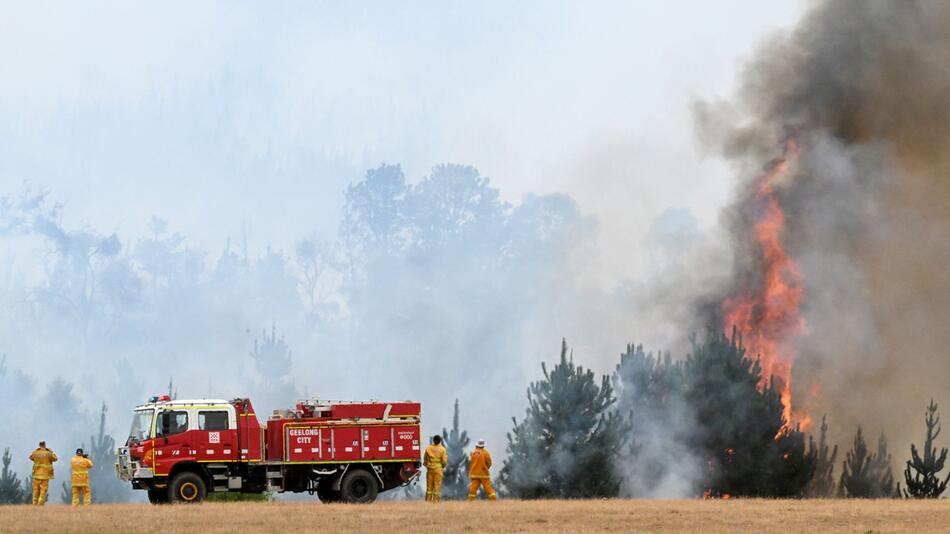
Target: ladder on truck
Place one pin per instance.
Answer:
(275, 478)
(221, 481)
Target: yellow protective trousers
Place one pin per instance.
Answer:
(434, 485)
(485, 483)
(40, 488)
(83, 492)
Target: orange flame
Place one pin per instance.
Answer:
(767, 316)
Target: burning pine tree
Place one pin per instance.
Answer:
(742, 434)
(925, 483)
(764, 304)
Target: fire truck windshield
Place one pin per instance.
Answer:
(141, 425)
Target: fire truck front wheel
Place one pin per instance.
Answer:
(187, 488)
(358, 486)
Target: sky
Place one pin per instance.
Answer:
(243, 118)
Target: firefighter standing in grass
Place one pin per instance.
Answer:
(435, 459)
(42, 459)
(81, 465)
(478, 466)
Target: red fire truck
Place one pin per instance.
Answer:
(179, 450)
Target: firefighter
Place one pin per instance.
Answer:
(42, 459)
(435, 459)
(478, 466)
(81, 464)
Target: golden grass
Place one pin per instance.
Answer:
(738, 515)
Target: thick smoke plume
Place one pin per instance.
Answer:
(863, 85)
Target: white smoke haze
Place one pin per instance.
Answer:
(659, 462)
(174, 186)
(663, 468)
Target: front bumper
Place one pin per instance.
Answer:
(128, 469)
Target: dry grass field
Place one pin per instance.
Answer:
(503, 516)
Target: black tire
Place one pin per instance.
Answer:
(158, 496)
(187, 488)
(358, 486)
(328, 496)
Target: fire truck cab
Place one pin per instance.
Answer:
(180, 450)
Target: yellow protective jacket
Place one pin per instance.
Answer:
(435, 457)
(81, 466)
(43, 463)
(479, 464)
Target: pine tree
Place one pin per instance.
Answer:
(789, 465)
(455, 474)
(566, 446)
(106, 487)
(822, 484)
(273, 361)
(12, 490)
(741, 435)
(855, 481)
(882, 475)
(925, 482)
(272, 357)
(65, 496)
(650, 389)
(865, 475)
(28, 488)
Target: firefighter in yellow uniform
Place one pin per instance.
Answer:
(478, 471)
(435, 459)
(42, 459)
(81, 464)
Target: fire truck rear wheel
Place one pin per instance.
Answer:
(187, 488)
(158, 496)
(358, 486)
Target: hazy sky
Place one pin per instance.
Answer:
(220, 116)
(249, 116)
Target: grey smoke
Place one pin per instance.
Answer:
(867, 205)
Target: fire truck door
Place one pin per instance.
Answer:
(346, 443)
(378, 442)
(172, 440)
(216, 436)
